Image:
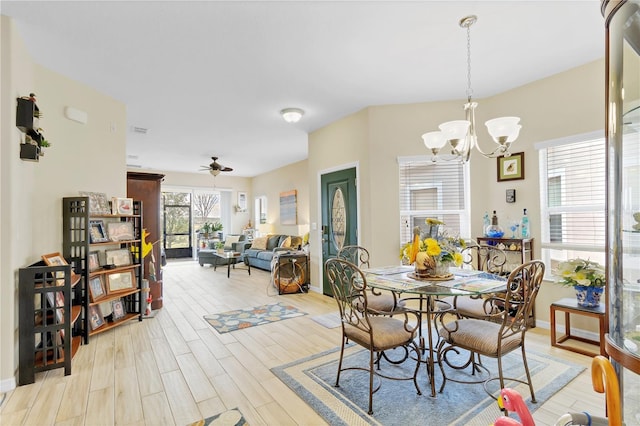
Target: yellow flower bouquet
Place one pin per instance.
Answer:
(433, 256)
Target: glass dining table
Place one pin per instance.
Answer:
(427, 293)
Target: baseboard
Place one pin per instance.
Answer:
(7, 385)
(574, 331)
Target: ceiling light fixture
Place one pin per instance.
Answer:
(461, 134)
(292, 115)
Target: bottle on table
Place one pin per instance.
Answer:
(524, 225)
(485, 223)
(495, 230)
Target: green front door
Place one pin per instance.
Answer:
(339, 215)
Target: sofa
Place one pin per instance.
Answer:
(233, 242)
(262, 249)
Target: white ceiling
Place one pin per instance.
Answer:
(210, 77)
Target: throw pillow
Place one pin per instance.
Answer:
(273, 241)
(259, 243)
(286, 243)
(231, 239)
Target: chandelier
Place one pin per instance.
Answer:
(461, 134)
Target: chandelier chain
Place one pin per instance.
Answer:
(469, 89)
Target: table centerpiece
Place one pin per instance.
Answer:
(433, 255)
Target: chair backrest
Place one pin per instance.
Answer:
(484, 258)
(523, 286)
(349, 290)
(357, 255)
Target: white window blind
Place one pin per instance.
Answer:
(433, 190)
(572, 202)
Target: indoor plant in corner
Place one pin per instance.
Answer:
(216, 228)
(587, 277)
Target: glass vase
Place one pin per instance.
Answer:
(441, 269)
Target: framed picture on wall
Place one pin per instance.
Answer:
(511, 167)
(289, 207)
(242, 201)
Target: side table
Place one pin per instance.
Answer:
(290, 272)
(570, 306)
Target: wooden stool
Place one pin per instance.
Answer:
(570, 306)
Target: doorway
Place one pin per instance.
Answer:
(177, 240)
(339, 205)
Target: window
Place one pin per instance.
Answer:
(433, 190)
(572, 201)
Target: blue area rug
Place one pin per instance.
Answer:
(225, 322)
(397, 403)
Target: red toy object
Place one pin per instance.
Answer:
(511, 400)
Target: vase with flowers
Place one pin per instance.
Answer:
(433, 255)
(586, 277)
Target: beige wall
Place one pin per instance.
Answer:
(271, 184)
(561, 105)
(83, 157)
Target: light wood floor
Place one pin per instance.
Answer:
(176, 369)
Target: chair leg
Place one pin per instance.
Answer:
(340, 362)
(526, 369)
(371, 362)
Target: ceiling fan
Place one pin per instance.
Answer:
(215, 168)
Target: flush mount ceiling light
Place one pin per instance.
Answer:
(292, 115)
(461, 134)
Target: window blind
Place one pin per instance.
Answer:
(433, 190)
(572, 203)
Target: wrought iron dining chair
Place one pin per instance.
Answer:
(376, 333)
(379, 302)
(503, 333)
(483, 258)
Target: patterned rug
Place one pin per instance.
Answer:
(330, 320)
(225, 322)
(397, 403)
(228, 418)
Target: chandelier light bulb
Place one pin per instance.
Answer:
(434, 140)
(504, 129)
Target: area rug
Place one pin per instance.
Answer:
(330, 320)
(397, 402)
(225, 322)
(227, 418)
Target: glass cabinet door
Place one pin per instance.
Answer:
(623, 197)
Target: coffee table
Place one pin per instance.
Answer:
(231, 257)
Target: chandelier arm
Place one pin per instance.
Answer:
(504, 130)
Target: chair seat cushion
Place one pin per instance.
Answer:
(383, 302)
(479, 336)
(387, 333)
(469, 307)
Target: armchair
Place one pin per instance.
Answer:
(377, 333)
(500, 333)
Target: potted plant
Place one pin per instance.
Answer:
(216, 228)
(586, 277)
(220, 247)
(206, 229)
